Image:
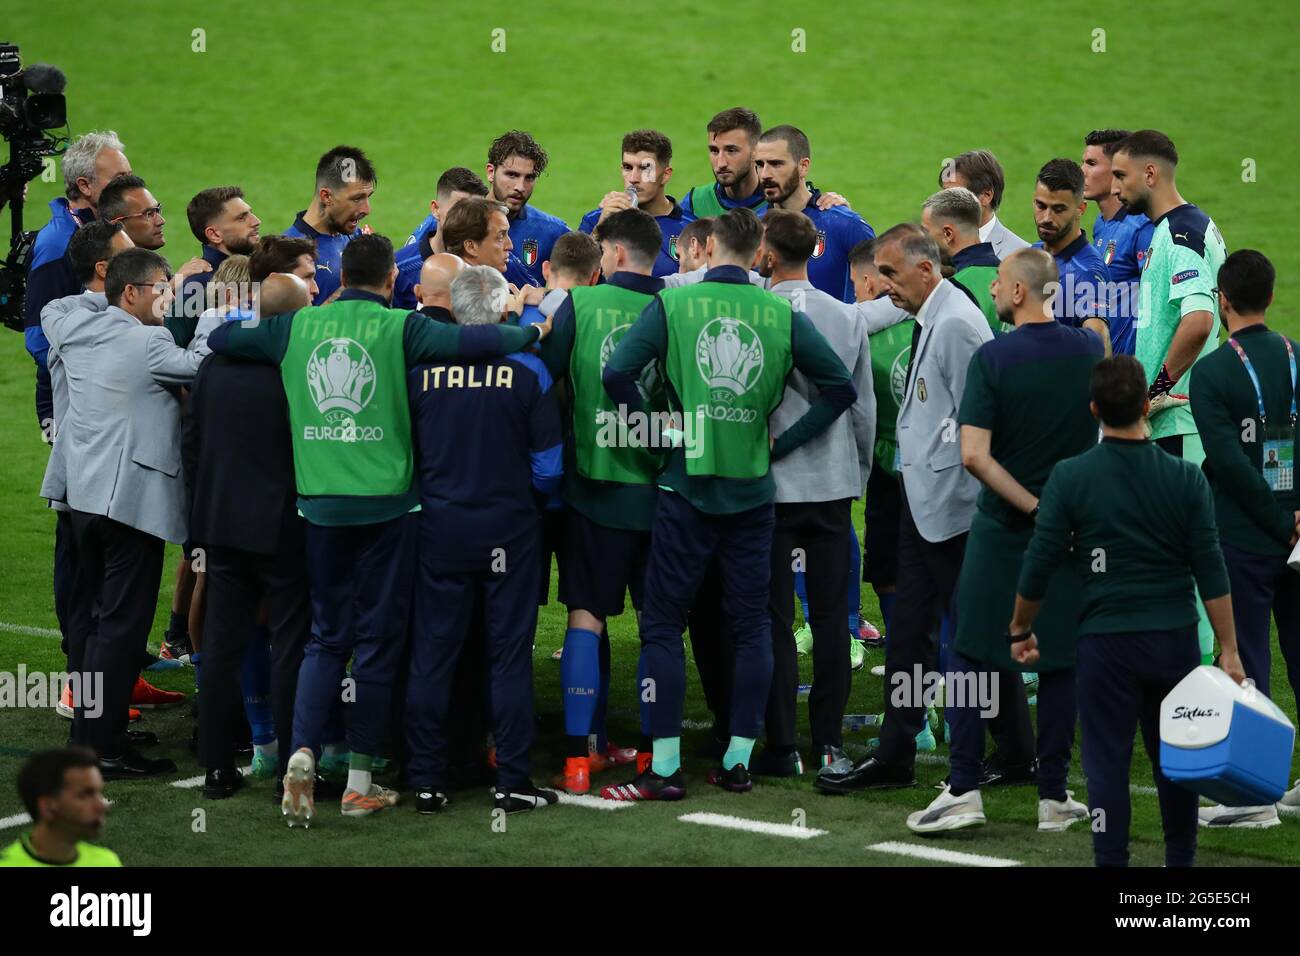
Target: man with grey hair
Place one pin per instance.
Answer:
(952, 218)
(938, 495)
(488, 448)
(88, 165)
(980, 172)
(479, 296)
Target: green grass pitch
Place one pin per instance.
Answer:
(885, 93)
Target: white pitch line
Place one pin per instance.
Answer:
(751, 826)
(16, 820)
(29, 631)
(593, 803)
(939, 856)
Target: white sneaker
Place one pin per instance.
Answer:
(947, 812)
(878, 670)
(857, 654)
(1057, 815)
(1245, 818)
(1290, 802)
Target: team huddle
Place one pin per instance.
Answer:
(374, 455)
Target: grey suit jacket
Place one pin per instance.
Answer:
(836, 464)
(55, 319)
(1004, 240)
(940, 492)
(121, 433)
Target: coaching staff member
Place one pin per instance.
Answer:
(1244, 403)
(1138, 555)
(124, 488)
(938, 501)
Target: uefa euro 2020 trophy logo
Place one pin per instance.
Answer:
(341, 377)
(730, 358)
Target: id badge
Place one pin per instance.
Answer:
(1279, 458)
(898, 461)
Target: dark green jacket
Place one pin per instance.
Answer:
(1138, 551)
(1251, 516)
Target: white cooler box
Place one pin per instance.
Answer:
(1226, 742)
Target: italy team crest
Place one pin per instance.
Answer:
(1110, 252)
(672, 248)
(529, 255)
(821, 245)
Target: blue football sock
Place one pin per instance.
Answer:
(602, 696)
(255, 682)
(580, 679)
(738, 752)
(667, 756)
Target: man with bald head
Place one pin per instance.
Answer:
(1024, 408)
(283, 292)
(244, 516)
(433, 291)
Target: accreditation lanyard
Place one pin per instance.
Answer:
(1254, 379)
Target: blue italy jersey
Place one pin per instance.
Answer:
(1085, 282)
(426, 228)
(410, 259)
(839, 229)
(488, 449)
(671, 225)
(329, 255)
(1123, 242)
(533, 234)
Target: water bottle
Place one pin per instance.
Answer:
(631, 194)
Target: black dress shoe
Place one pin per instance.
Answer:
(868, 774)
(219, 784)
(141, 738)
(133, 766)
(774, 763)
(1000, 775)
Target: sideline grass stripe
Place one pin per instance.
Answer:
(593, 803)
(751, 826)
(939, 856)
(16, 820)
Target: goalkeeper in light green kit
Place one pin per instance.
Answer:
(1177, 310)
